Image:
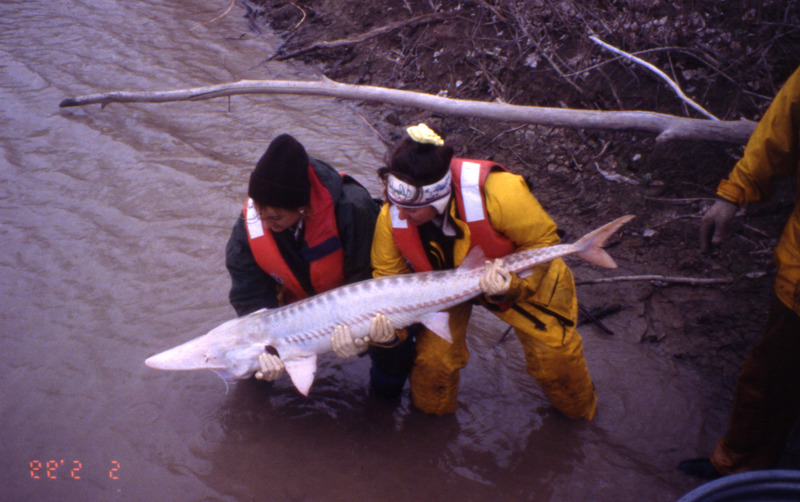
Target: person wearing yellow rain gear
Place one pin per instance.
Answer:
(767, 397)
(440, 207)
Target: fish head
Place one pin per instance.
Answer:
(226, 350)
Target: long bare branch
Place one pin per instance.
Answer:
(666, 127)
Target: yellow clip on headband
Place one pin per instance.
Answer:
(423, 134)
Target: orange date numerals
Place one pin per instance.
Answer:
(49, 469)
(36, 466)
(114, 472)
(76, 468)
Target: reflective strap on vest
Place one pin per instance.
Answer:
(471, 191)
(396, 221)
(254, 226)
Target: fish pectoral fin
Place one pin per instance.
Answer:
(475, 259)
(301, 370)
(439, 323)
(525, 273)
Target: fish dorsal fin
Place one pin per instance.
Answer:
(439, 323)
(301, 370)
(474, 259)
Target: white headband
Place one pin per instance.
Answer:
(406, 195)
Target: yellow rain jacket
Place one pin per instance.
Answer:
(543, 307)
(773, 151)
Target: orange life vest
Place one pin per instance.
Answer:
(469, 178)
(324, 254)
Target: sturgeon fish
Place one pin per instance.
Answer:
(301, 331)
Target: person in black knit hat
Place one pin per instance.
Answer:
(305, 229)
(280, 178)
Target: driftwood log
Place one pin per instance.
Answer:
(666, 127)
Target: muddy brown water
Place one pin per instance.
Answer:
(113, 224)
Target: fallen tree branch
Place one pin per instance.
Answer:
(667, 127)
(675, 87)
(660, 278)
(428, 18)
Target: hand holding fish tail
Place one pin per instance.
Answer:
(344, 344)
(381, 330)
(496, 278)
(271, 367)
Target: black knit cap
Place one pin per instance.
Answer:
(280, 178)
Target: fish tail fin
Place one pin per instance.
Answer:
(590, 246)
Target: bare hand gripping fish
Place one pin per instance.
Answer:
(300, 331)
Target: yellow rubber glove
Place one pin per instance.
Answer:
(714, 223)
(344, 344)
(271, 367)
(381, 330)
(496, 278)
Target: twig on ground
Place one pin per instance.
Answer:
(233, 2)
(520, 159)
(678, 218)
(383, 138)
(679, 201)
(503, 133)
(658, 72)
(697, 281)
(614, 176)
(595, 320)
(428, 18)
(302, 19)
(550, 59)
(756, 230)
